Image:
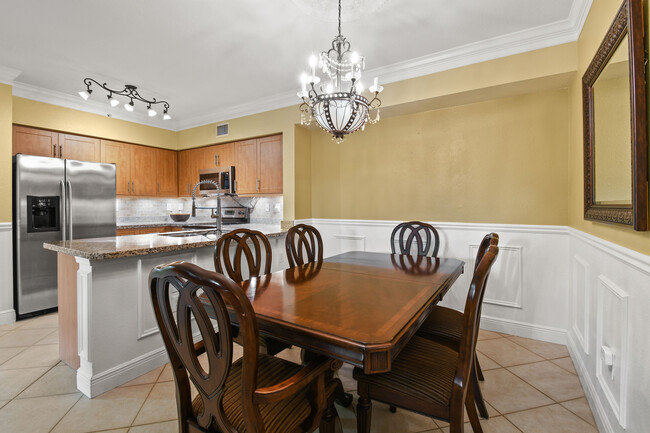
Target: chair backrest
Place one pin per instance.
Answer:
(303, 238)
(249, 245)
(200, 291)
(488, 239)
(471, 318)
(425, 236)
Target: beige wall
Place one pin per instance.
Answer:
(499, 161)
(600, 18)
(5, 152)
(303, 173)
(48, 116)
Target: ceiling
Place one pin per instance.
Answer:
(214, 60)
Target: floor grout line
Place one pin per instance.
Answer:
(66, 412)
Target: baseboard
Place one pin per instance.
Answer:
(521, 329)
(121, 374)
(7, 317)
(597, 408)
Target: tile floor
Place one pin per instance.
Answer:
(530, 387)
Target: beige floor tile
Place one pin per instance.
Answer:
(566, 363)
(113, 409)
(162, 427)
(35, 356)
(487, 335)
(23, 338)
(580, 407)
(15, 381)
(3, 333)
(36, 414)
(42, 322)
(58, 380)
(53, 338)
(384, 421)
(547, 419)
(542, 348)
(291, 354)
(3, 402)
(12, 327)
(486, 362)
(506, 353)
(167, 374)
(497, 424)
(552, 380)
(348, 418)
(345, 374)
(508, 393)
(117, 430)
(492, 412)
(159, 406)
(6, 353)
(150, 377)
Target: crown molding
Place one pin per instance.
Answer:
(559, 32)
(74, 102)
(8, 75)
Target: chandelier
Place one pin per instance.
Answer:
(338, 107)
(130, 92)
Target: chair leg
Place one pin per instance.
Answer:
(479, 372)
(329, 420)
(364, 414)
(478, 395)
(471, 409)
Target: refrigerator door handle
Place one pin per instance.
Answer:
(68, 210)
(64, 210)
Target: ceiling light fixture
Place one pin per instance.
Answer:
(339, 108)
(130, 92)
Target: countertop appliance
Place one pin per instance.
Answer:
(235, 215)
(223, 176)
(54, 199)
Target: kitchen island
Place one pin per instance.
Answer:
(107, 328)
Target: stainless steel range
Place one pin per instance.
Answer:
(235, 215)
(54, 199)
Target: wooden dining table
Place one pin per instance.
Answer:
(358, 307)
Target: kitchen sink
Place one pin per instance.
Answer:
(187, 233)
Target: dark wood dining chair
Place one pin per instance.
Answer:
(242, 254)
(428, 377)
(257, 393)
(424, 235)
(304, 244)
(445, 325)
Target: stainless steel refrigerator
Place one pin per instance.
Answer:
(54, 199)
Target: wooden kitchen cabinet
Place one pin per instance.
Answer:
(143, 171)
(114, 152)
(79, 147)
(32, 141)
(220, 155)
(167, 172)
(189, 163)
(258, 165)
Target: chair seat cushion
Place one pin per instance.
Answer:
(444, 325)
(279, 417)
(424, 370)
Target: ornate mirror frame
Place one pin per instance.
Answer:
(628, 21)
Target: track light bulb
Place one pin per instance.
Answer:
(114, 102)
(151, 112)
(85, 94)
(129, 106)
(166, 116)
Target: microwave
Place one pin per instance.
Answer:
(223, 176)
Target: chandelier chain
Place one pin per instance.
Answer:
(339, 17)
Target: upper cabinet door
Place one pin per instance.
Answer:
(270, 164)
(246, 167)
(79, 148)
(189, 163)
(31, 141)
(113, 152)
(167, 174)
(219, 155)
(143, 171)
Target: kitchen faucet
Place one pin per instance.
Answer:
(216, 215)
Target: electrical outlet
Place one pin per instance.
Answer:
(169, 207)
(180, 207)
(278, 207)
(267, 207)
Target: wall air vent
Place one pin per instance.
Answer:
(222, 129)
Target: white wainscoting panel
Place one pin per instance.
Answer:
(7, 313)
(580, 302)
(350, 243)
(613, 285)
(506, 283)
(611, 333)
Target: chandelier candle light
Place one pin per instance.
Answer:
(339, 108)
(130, 92)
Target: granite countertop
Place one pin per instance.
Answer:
(166, 224)
(137, 245)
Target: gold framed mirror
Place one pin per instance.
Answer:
(615, 124)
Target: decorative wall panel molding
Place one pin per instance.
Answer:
(506, 284)
(611, 337)
(351, 243)
(581, 302)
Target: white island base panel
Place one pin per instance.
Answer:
(118, 338)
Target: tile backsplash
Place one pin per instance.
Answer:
(264, 210)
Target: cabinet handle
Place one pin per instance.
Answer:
(219, 165)
(258, 185)
(55, 150)
(60, 151)
(158, 187)
(133, 187)
(128, 186)
(215, 160)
